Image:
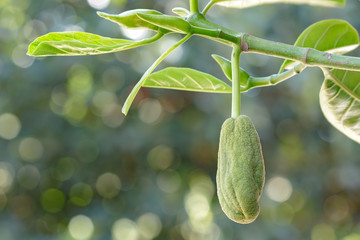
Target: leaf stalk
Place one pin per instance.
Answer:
(194, 6)
(207, 7)
(255, 82)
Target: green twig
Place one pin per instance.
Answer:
(207, 7)
(152, 39)
(307, 56)
(254, 82)
(137, 87)
(194, 6)
(236, 98)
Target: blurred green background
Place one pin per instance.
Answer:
(73, 167)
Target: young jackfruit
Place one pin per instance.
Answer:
(241, 172)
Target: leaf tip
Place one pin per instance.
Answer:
(125, 110)
(31, 50)
(216, 58)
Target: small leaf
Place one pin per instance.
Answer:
(77, 43)
(186, 79)
(225, 65)
(172, 23)
(252, 3)
(182, 12)
(333, 35)
(340, 101)
(130, 19)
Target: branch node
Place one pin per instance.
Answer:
(306, 55)
(298, 68)
(244, 44)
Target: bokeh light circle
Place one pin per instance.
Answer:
(52, 200)
(31, 149)
(124, 229)
(9, 126)
(278, 189)
(98, 4)
(108, 185)
(149, 225)
(81, 227)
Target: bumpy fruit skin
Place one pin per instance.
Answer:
(241, 172)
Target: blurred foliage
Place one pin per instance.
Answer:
(72, 167)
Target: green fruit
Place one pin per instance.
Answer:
(240, 174)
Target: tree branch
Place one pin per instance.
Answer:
(308, 56)
(254, 82)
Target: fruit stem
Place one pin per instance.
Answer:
(235, 65)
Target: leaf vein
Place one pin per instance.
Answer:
(177, 81)
(193, 80)
(357, 86)
(340, 36)
(343, 86)
(335, 95)
(211, 83)
(347, 110)
(323, 34)
(156, 82)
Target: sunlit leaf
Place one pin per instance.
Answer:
(340, 101)
(173, 23)
(186, 79)
(130, 19)
(252, 3)
(77, 43)
(333, 35)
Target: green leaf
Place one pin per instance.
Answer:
(130, 19)
(186, 79)
(76, 43)
(340, 101)
(252, 3)
(225, 65)
(80, 43)
(182, 12)
(171, 23)
(333, 35)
